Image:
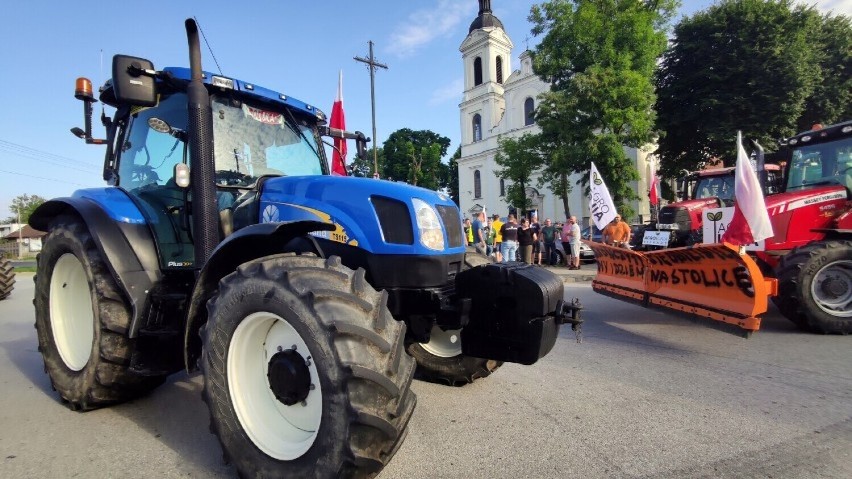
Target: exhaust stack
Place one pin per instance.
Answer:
(202, 170)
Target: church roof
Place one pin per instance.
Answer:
(485, 19)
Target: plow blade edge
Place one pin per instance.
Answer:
(711, 281)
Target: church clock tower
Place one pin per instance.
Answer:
(486, 55)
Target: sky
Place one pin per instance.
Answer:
(296, 48)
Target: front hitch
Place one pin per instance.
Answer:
(569, 313)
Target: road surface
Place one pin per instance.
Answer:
(645, 395)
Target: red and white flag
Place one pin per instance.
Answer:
(338, 120)
(654, 194)
(751, 219)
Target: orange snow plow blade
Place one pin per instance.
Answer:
(711, 281)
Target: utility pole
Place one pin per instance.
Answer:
(20, 235)
(373, 64)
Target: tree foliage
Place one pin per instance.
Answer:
(599, 56)
(24, 205)
(363, 168)
(519, 158)
(767, 67)
(453, 176)
(415, 157)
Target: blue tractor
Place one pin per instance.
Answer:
(221, 243)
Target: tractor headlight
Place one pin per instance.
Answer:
(431, 231)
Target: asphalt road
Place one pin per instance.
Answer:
(645, 395)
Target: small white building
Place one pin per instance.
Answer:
(499, 101)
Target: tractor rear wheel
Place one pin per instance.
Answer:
(305, 373)
(82, 320)
(441, 359)
(7, 278)
(815, 287)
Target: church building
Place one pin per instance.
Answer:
(499, 102)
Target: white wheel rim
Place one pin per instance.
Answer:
(445, 344)
(836, 298)
(72, 316)
(281, 432)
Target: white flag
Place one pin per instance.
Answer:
(600, 202)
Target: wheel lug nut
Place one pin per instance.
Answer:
(280, 349)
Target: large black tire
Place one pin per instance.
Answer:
(443, 361)
(815, 287)
(353, 416)
(82, 321)
(7, 278)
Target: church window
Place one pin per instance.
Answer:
(529, 109)
(502, 187)
(477, 128)
(499, 69)
(477, 185)
(477, 71)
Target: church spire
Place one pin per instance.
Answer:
(485, 19)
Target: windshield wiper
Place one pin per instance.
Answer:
(295, 127)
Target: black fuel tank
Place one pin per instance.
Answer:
(508, 316)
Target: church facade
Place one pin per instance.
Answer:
(499, 102)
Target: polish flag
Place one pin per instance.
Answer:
(751, 219)
(654, 194)
(338, 156)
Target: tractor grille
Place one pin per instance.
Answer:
(452, 222)
(678, 215)
(394, 220)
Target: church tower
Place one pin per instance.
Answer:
(486, 54)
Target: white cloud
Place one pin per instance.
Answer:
(425, 25)
(451, 91)
(836, 7)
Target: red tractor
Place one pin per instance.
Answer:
(680, 223)
(811, 251)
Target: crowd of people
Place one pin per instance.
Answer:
(527, 239)
(533, 242)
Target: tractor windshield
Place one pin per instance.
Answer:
(252, 141)
(721, 187)
(821, 163)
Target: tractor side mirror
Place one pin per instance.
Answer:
(133, 81)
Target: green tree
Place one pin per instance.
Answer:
(453, 175)
(405, 159)
(24, 205)
(363, 167)
(599, 56)
(519, 158)
(767, 67)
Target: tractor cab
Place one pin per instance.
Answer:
(257, 134)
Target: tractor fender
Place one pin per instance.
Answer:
(127, 247)
(252, 242)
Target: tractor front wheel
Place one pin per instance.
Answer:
(305, 373)
(815, 287)
(82, 321)
(441, 359)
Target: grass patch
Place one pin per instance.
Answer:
(25, 269)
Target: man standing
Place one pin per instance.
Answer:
(548, 234)
(574, 241)
(496, 224)
(478, 233)
(617, 233)
(536, 246)
(509, 231)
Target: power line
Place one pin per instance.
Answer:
(49, 158)
(43, 178)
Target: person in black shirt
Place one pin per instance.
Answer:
(509, 247)
(526, 239)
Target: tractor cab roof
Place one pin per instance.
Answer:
(180, 76)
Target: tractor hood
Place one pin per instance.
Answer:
(381, 217)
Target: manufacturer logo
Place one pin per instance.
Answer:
(271, 214)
